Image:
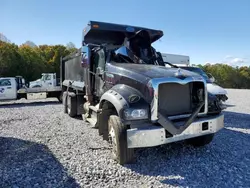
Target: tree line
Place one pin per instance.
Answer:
(29, 61)
(228, 76)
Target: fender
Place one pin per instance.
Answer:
(122, 97)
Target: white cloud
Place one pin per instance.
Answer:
(237, 60)
(232, 61)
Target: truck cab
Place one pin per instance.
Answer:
(119, 84)
(46, 80)
(8, 88)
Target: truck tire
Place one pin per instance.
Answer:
(64, 101)
(71, 105)
(118, 138)
(103, 129)
(60, 97)
(201, 140)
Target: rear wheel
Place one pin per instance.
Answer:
(201, 140)
(117, 133)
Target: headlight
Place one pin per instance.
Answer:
(135, 114)
(213, 104)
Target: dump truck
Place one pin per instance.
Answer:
(119, 84)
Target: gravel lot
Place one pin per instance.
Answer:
(40, 146)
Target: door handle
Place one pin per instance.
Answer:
(8, 87)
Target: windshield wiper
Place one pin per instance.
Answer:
(172, 65)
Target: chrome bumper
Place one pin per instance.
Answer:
(155, 135)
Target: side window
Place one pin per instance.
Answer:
(101, 59)
(47, 77)
(5, 82)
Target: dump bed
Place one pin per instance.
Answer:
(109, 33)
(72, 70)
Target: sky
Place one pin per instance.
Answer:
(207, 31)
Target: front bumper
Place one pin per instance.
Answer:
(155, 135)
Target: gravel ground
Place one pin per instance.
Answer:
(42, 147)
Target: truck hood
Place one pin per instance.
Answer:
(215, 89)
(151, 71)
(138, 76)
(36, 81)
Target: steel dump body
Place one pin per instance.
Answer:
(72, 70)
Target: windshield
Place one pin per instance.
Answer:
(199, 71)
(137, 49)
(125, 55)
(46, 77)
(140, 45)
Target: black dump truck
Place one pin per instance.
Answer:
(119, 84)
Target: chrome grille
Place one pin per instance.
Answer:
(174, 99)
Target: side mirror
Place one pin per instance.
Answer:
(85, 54)
(210, 76)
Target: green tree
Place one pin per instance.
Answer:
(34, 65)
(10, 59)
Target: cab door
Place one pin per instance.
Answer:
(100, 61)
(8, 90)
(47, 80)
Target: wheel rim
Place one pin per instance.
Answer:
(112, 140)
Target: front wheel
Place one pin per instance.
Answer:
(118, 138)
(201, 140)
